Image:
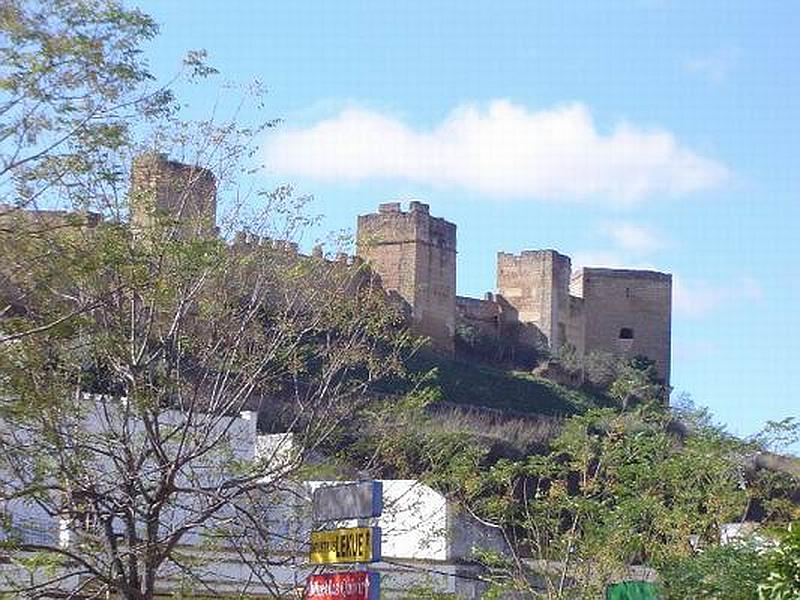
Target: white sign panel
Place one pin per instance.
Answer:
(336, 502)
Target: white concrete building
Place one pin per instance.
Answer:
(426, 542)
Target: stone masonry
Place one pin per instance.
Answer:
(415, 255)
(536, 285)
(167, 188)
(625, 312)
(619, 311)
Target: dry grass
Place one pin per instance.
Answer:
(523, 432)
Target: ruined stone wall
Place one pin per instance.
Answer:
(34, 221)
(627, 313)
(434, 305)
(536, 284)
(562, 270)
(483, 314)
(415, 255)
(624, 312)
(185, 193)
(576, 325)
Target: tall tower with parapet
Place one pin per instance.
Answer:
(535, 284)
(628, 313)
(163, 188)
(415, 255)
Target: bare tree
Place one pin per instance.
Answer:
(145, 343)
(126, 367)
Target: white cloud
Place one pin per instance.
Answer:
(750, 289)
(631, 244)
(697, 298)
(631, 237)
(715, 66)
(501, 150)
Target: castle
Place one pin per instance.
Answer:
(624, 312)
(538, 299)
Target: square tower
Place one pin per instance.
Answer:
(185, 193)
(415, 255)
(535, 284)
(627, 313)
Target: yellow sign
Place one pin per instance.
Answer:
(351, 545)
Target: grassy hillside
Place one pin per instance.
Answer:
(472, 384)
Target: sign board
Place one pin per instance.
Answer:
(352, 585)
(632, 590)
(351, 545)
(358, 500)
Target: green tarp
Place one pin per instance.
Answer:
(632, 590)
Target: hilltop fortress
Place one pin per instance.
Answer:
(624, 312)
(538, 300)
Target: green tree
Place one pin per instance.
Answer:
(783, 564)
(732, 572)
(119, 422)
(617, 489)
(127, 353)
(73, 88)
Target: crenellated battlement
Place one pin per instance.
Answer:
(391, 226)
(625, 312)
(539, 299)
(414, 254)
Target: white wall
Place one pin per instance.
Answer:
(424, 540)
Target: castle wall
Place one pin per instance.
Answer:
(624, 312)
(415, 255)
(483, 314)
(627, 313)
(536, 284)
(540, 302)
(185, 193)
(576, 324)
(34, 221)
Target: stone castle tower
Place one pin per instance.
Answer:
(626, 312)
(618, 311)
(185, 193)
(415, 255)
(622, 311)
(535, 284)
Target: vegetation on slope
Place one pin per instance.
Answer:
(584, 487)
(513, 392)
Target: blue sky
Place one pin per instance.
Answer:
(650, 134)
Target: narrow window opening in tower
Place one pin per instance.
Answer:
(626, 333)
(627, 292)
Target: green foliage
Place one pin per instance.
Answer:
(636, 382)
(599, 369)
(506, 349)
(772, 496)
(730, 572)
(72, 85)
(777, 436)
(783, 565)
(466, 383)
(625, 382)
(128, 351)
(616, 489)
